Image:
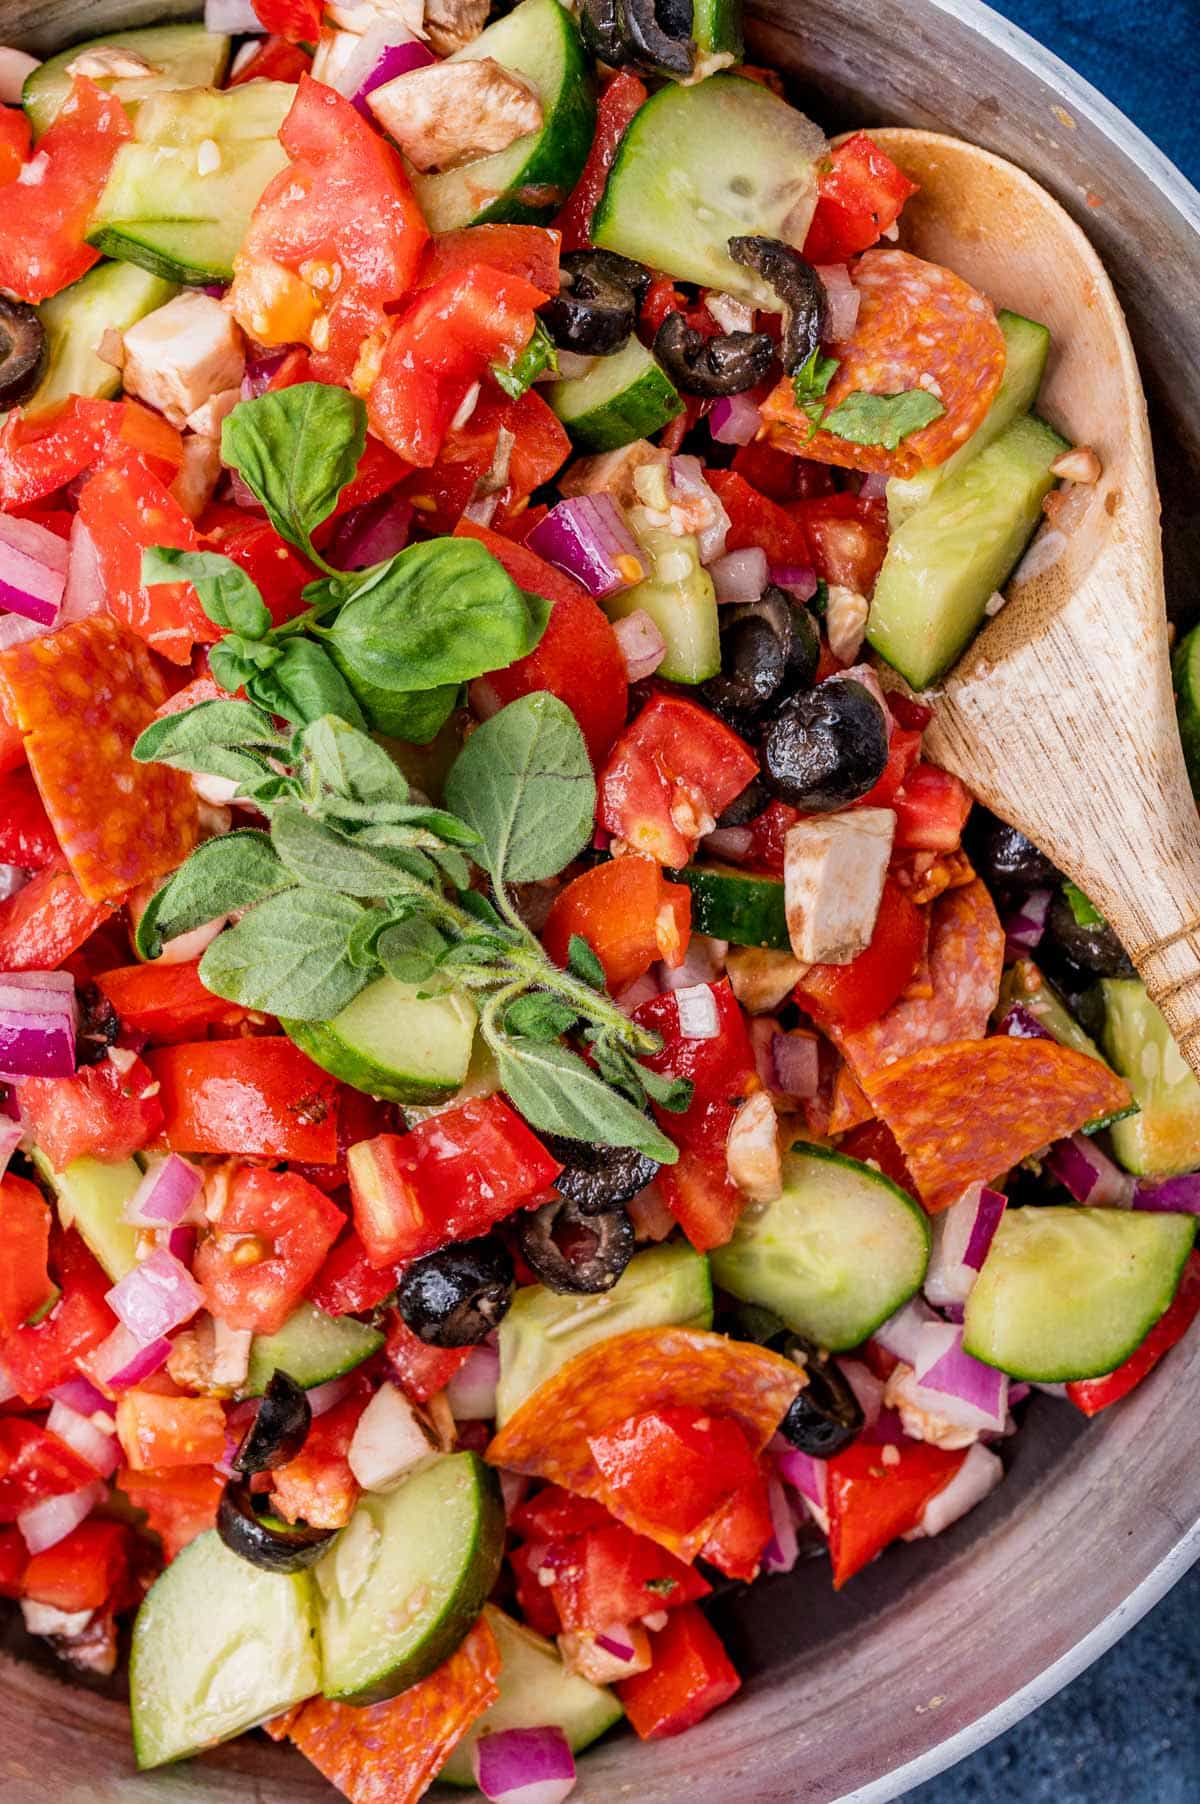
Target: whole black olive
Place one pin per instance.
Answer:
(726, 365)
(456, 1296)
(23, 351)
(655, 35)
(597, 307)
(278, 1431)
(266, 1542)
(826, 1415)
(590, 1253)
(597, 1178)
(1003, 856)
(799, 287)
(745, 807)
(1094, 949)
(826, 748)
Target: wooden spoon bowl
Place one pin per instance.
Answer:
(1060, 716)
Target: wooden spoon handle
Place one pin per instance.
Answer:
(1170, 969)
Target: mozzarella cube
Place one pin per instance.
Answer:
(451, 113)
(451, 25)
(182, 354)
(833, 872)
(762, 979)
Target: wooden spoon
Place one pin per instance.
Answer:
(1060, 716)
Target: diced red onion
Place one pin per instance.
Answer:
(156, 1297)
(866, 1387)
(37, 1024)
(524, 1766)
(688, 478)
(734, 420)
(869, 679)
(324, 1397)
(471, 1393)
(703, 963)
(697, 1013)
(240, 492)
(587, 537)
(797, 580)
(617, 1641)
(386, 49)
(82, 1396)
(97, 1446)
(181, 1243)
(953, 1312)
(782, 1550)
(570, 365)
(371, 534)
(796, 1057)
(1089, 1175)
(887, 1430)
(84, 593)
(843, 298)
(12, 877)
(15, 66)
(898, 1335)
(1019, 1023)
(388, 1442)
(740, 576)
(728, 842)
(961, 1389)
(1175, 1196)
(256, 380)
(1025, 926)
(976, 1478)
(33, 570)
(642, 645)
(514, 1488)
(805, 1474)
(1017, 1393)
(120, 1362)
(962, 1235)
(230, 18)
(51, 1521)
(165, 1194)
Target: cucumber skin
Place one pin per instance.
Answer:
(1185, 671)
(361, 1073)
(644, 405)
(111, 241)
(734, 906)
(89, 299)
(358, 1343)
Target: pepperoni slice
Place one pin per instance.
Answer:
(849, 1108)
(81, 697)
(391, 1753)
(970, 1111)
(647, 1369)
(919, 326)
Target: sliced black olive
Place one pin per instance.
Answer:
(655, 35)
(725, 365)
(278, 1431)
(756, 643)
(804, 654)
(1003, 856)
(743, 809)
(799, 287)
(573, 1251)
(22, 351)
(456, 1296)
(99, 1026)
(1096, 950)
(267, 1542)
(826, 1415)
(597, 1178)
(602, 27)
(597, 307)
(826, 748)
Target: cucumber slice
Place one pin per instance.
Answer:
(159, 212)
(114, 295)
(1027, 345)
(394, 1041)
(311, 1347)
(841, 1250)
(621, 398)
(701, 165)
(1164, 1136)
(218, 1647)
(535, 1690)
(950, 557)
(407, 1578)
(1069, 1293)
(666, 1287)
(529, 181)
(680, 598)
(728, 905)
(90, 1196)
(1185, 668)
(717, 29)
(181, 56)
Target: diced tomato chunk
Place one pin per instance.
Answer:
(628, 913)
(691, 1676)
(35, 1465)
(167, 1002)
(42, 247)
(25, 1236)
(15, 137)
(756, 521)
(318, 1486)
(904, 748)
(673, 1468)
(860, 193)
(534, 1601)
(742, 1532)
(265, 1250)
(553, 1514)
(850, 996)
(14, 1558)
(871, 1503)
(43, 923)
(26, 837)
(180, 1501)
(516, 250)
(126, 509)
(847, 538)
(620, 99)
(931, 811)
(39, 1358)
(673, 770)
(1091, 1395)
(106, 1111)
(275, 59)
(156, 1431)
(83, 1570)
(423, 1370)
(701, 1195)
(258, 1096)
(721, 1068)
(608, 1574)
(874, 1143)
(347, 1281)
(275, 568)
(536, 451)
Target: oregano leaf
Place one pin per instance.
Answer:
(524, 782)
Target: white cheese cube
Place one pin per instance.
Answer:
(833, 872)
(450, 113)
(182, 354)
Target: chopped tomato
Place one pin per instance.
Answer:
(296, 21)
(377, 471)
(577, 658)
(620, 99)
(167, 1002)
(553, 1514)
(34, 1465)
(742, 1532)
(266, 1248)
(423, 1370)
(277, 570)
(25, 1282)
(673, 1468)
(904, 749)
(768, 836)
(539, 447)
(754, 520)
(43, 923)
(335, 238)
(702, 1196)
(673, 770)
(12, 742)
(778, 474)
(931, 811)
(517, 250)
(690, 1676)
(847, 538)
(14, 1558)
(42, 248)
(106, 1111)
(318, 1486)
(607, 1574)
(721, 1068)
(83, 1570)
(39, 1358)
(180, 1501)
(629, 915)
(860, 193)
(872, 1503)
(347, 1281)
(1091, 1395)
(534, 1601)
(26, 837)
(448, 1178)
(16, 134)
(443, 341)
(875, 1144)
(850, 996)
(37, 457)
(251, 1096)
(276, 59)
(126, 509)
(156, 1431)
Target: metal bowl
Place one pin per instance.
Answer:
(940, 1645)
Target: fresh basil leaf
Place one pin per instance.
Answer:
(819, 602)
(810, 383)
(322, 857)
(410, 951)
(227, 594)
(672, 1093)
(539, 355)
(177, 738)
(364, 936)
(884, 420)
(222, 875)
(296, 449)
(414, 718)
(227, 666)
(352, 766)
(289, 957)
(305, 684)
(537, 1016)
(439, 613)
(556, 1092)
(583, 963)
(524, 782)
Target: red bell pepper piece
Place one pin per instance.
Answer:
(258, 1096)
(37, 457)
(874, 1143)
(25, 1282)
(266, 1249)
(674, 1467)
(297, 21)
(35, 1465)
(610, 1575)
(860, 194)
(42, 248)
(673, 770)
(852, 995)
(1091, 1395)
(756, 521)
(931, 810)
(628, 913)
(45, 922)
(26, 837)
(347, 1281)
(534, 1601)
(690, 1676)
(103, 1112)
(619, 100)
(180, 1501)
(423, 1370)
(39, 1358)
(167, 1002)
(780, 475)
(83, 1570)
(700, 1193)
(273, 566)
(871, 1502)
(553, 1514)
(742, 1532)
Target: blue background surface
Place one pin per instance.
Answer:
(1128, 1730)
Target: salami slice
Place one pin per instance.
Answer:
(971, 1110)
(850, 1107)
(919, 327)
(391, 1753)
(649, 1368)
(81, 697)
(966, 959)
